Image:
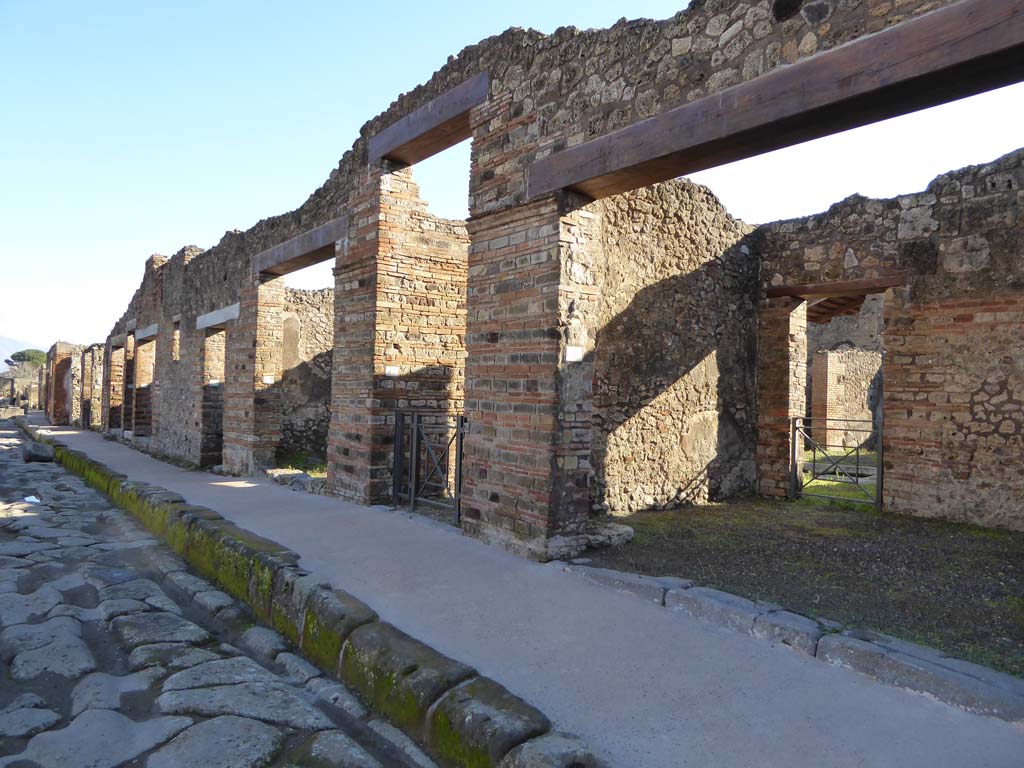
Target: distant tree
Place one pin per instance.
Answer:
(33, 356)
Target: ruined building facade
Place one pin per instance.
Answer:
(612, 350)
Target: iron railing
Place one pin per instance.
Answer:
(427, 467)
(843, 451)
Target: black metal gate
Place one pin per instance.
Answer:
(427, 465)
(837, 459)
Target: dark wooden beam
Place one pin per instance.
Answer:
(434, 127)
(310, 247)
(838, 288)
(948, 54)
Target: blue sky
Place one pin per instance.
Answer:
(137, 128)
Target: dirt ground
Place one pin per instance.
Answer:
(956, 587)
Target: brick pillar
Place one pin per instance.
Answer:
(529, 372)
(355, 303)
(86, 394)
(781, 389)
(252, 397)
(211, 447)
(143, 405)
(113, 376)
(128, 407)
(822, 396)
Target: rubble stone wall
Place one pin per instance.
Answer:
(674, 354)
(308, 346)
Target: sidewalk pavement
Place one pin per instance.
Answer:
(644, 687)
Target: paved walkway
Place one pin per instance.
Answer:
(114, 653)
(644, 687)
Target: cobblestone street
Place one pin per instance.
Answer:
(115, 654)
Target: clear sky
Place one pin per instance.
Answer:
(131, 128)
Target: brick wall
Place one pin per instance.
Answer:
(951, 335)
(400, 321)
(844, 396)
(212, 404)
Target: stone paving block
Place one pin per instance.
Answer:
(715, 606)
(223, 742)
(67, 656)
(98, 738)
(262, 642)
(239, 669)
(20, 723)
(19, 609)
(276, 703)
(647, 588)
(922, 675)
(296, 668)
(552, 750)
(103, 691)
(479, 722)
(330, 749)
(410, 749)
(185, 585)
(399, 676)
(337, 695)
(331, 616)
(792, 629)
(147, 628)
(213, 601)
(25, 637)
(169, 655)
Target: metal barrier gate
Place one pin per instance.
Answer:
(837, 459)
(427, 466)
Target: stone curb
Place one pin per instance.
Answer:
(887, 659)
(463, 719)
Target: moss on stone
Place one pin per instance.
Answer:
(448, 744)
(320, 643)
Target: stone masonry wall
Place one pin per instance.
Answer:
(674, 354)
(844, 395)
(547, 92)
(306, 381)
(953, 337)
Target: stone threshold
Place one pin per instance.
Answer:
(461, 718)
(889, 660)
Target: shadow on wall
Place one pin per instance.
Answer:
(305, 397)
(675, 390)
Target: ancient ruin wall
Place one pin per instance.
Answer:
(844, 395)
(306, 381)
(953, 338)
(547, 92)
(674, 355)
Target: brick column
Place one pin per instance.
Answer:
(113, 386)
(143, 405)
(355, 304)
(823, 392)
(526, 471)
(128, 406)
(252, 397)
(781, 389)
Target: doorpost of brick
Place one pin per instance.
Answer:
(252, 363)
(781, 389)
(529, 372)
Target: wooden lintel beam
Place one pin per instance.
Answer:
(310, 247)
(437, 125)
(838, 288)
(957, 51)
